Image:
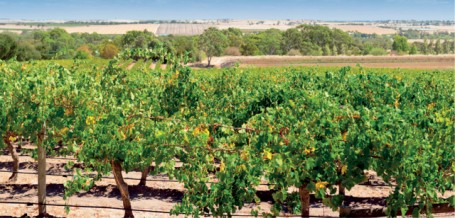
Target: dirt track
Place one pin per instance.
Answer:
(404, 62)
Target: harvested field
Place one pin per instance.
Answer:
(21, 27)
(245, 25)
(405, 62)
(112, 29)
(366, 29)
(182, 29)
(10, 31)
(450, 29)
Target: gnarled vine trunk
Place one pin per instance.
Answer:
(144, 175)
(123, 187)
(305, 201)
(12, 151)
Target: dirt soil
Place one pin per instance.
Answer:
(159, 195)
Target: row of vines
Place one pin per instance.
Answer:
(236, 129)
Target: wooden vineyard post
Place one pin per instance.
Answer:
(123, 187)
(305, 201)
(42, 173)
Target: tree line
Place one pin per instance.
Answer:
(308, 40)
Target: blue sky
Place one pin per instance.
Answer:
(233, 9)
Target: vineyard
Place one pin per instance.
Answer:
(233, 142)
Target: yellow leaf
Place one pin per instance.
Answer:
(12, 138)
(206, 131)
(196, 131)
(397, 104)
(68, 111)
(321, 185)
(344, 168)
(64, 130)
(267, 155)
(199, 130)
(292, 103)
(309, 150)
(244, 155)
(222, 166)
(123, 135)
(344, 135)
(90, 120)
(243, 167)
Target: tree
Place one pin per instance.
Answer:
(213, 42)
(446, 47)
(8, 46)
(400, 44)
(270, 42)
(137, 39)
(61, 44)
(343, 49)
(413, 49)
(425, 47)
(326, 50)
(26, 51)
(375, 41)
(249, 47)
(180, 45)
(438, 47)
(334, 51)
(309, 48)
(234, 36)
(292, 39)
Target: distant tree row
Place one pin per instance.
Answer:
(311, 40)
(55, 44)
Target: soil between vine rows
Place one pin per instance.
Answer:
(156, 195)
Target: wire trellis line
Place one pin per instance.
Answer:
(134, 210)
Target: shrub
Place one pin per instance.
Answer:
(294, 52)
(83, 52)
(109, 51)
(377, 52)
(232, 51)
